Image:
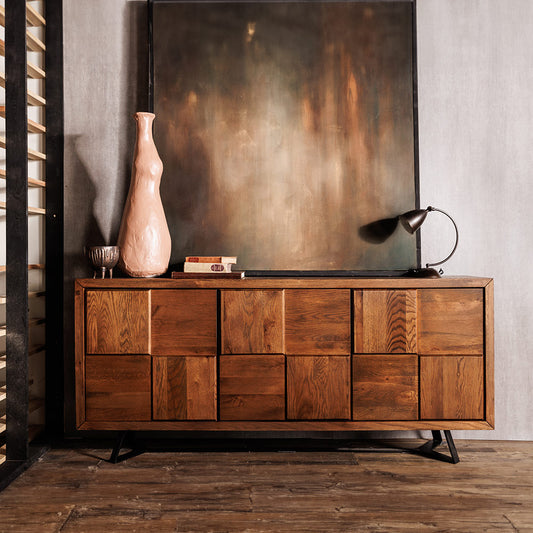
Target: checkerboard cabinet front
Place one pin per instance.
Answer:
(284, 354)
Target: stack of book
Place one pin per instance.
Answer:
(208, 266)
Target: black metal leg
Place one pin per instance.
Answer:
(428, 449)
(121, 441)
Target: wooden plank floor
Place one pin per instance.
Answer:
(75, 490)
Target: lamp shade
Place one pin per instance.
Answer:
(412, 220)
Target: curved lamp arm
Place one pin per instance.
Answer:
(456, 237)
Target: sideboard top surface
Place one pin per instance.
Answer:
(285, 283)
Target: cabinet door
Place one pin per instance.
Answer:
(184, 388)
(252, 321)
(318, 387)
(118, 321)
(184, 322)
(317, 322)
(451, 387)
(117, 387)
(252, 387)
(385, 321)
(385, 387)
(450, 321)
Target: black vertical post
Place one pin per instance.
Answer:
(16, 232)
(54, 218)
(150, 37)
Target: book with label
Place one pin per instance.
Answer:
(211, 259)
(207, 267)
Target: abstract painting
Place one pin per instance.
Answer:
(284, 128)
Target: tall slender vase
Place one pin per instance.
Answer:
(144, 239)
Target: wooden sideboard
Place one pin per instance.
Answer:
(279, 354)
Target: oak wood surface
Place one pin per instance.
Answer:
(118, 387)
(317, 322)
(288, 283)
(79, 352)
(252, 387)
(385, 387)
(184, 322)
(291, 489)
(287, 425)
(451, 387)
(318, 387)
(489, 354)
(184, 388)
(117, 322)
(252, 321)
(450, 321)
(385, 321)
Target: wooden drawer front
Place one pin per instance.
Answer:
(450, 321)
(451, 388)
(252, 387)
(318, 387)
(317, 322)
(117, 387)
(252, 321)
(118, 322)
(184, 388)
(184, 322)
(385, 387)
(385, 321)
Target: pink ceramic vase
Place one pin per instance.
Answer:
(144, 239)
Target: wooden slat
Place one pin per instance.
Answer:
(31, 294)
(34, 155)
(34, 72)
(3, 393)
(32, 210)
(30, 267)
(33, 127)
(33, 99)
(2, 330)
(3, 359)
(33, 17)
(31, 181)
(34, 44)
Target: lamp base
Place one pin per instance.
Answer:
(422, 273)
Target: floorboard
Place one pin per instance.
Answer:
(77, 490)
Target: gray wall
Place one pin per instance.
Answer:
(476, 139)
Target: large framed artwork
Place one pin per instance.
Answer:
(285, 130)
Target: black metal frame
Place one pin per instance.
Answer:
(16, 234)
(54, 219)
(127, 440)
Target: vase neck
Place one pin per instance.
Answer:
(144, 125)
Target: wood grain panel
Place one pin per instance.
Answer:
(489, 353)
(385, 387)
(385, 321)
(450, 321)
(79, 354)
(118, 322)
(318, 387)
(118, 387)
(184, 388)
(252, 387)
(451, 387)
(184, 322)
(252, 322)
(317, 322)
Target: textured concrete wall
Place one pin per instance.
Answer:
(476, 134)
(476, 161)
